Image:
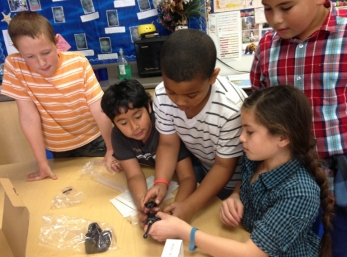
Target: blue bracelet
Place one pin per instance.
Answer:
(192, 246)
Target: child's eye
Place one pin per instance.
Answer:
(191, 96)
(138, 117)
(123, 123)
(286, 8)
(45, 53)
(249, 132)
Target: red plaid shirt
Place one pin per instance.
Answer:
(318, 66)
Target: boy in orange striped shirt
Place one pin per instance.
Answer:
(57, 95)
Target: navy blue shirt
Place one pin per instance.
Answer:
(280, 208)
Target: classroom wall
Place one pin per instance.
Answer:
(94, 30)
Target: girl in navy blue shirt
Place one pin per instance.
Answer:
(282, 185)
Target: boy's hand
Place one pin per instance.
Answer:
(180, 210)
(115, 166)
(156, 193)
(43, 173)
(142, 217)
(232, 210)
(111, 163)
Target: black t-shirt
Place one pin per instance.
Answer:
(125, 148)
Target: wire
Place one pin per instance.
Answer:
(241, 71)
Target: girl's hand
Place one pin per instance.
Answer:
(232, 210)
(168, 227)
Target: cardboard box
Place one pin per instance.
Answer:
(15, 223)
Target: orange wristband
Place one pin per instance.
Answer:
(161, 181)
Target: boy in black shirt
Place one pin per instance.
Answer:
(135, 141)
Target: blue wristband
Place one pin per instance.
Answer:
(192, 246)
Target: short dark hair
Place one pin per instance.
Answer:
(31, 24)
(122, 95)
(188, 54)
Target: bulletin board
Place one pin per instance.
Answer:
(97, 28)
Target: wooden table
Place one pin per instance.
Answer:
(37, 197)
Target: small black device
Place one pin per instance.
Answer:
(148, 56)
(151, 216)
(97, 240)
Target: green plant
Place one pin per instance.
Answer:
(172, 13)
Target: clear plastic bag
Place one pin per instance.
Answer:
(133, 220)
(68, 233)
(69, 197)
(92, 169)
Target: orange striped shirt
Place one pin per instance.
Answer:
(62, 100)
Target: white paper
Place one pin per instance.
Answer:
(173, 248)
(259, 15)
(107, 56)
(123, 3)
(87, 52)
(226, 34)
(90, 17)
(114, 30)
(241, 80)
(125, 210)
(146, 14)
(127, 201)
(229, 34)
(8, 43)
(232, 5)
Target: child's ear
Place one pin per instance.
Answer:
(284, 141)
(149, 108)
(214, 75)
(56, 38)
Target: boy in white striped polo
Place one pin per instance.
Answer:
(202, 109)
(57, 95)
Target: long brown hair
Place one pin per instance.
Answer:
(285, 110)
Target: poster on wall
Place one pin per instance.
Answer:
(235, 5)
(224, 30)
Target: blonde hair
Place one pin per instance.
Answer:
(31, 24)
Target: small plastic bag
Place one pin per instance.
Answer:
(69, 233)
(133, 220)
(92, 169)
(69, 197)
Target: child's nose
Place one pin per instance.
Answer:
(180, 101)
(242, 138)
(134, 125)
(42, 61)
(277, 17)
